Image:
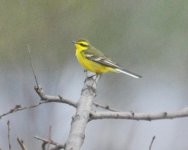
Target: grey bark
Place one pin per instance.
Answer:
(82, 116)
(140, 116)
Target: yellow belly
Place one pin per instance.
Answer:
(92, 66)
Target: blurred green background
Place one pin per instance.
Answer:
(147, 37)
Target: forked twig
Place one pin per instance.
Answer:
(59, 146)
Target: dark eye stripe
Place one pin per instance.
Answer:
(84, 45)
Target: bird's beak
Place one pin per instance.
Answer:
(74, 42)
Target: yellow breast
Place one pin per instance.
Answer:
(92, 66)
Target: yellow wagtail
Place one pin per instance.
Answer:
(95, 61)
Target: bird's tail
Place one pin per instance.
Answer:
(128, 73)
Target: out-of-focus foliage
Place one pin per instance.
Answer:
(147, 37)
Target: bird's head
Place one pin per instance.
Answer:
(81, 44)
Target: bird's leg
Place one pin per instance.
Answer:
(87, 75)
(95, 77)
(98, 77)
(90, 77)
(85, 71)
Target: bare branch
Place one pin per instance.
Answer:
(40, 91)
(30, 59)
(21, 143)
(140, 116)
(44, 145)
(58, 147)
(106, 107)
(9, 143)
(20, 108)
(45, 97)
(81, 118)
(150, 146)
(50, 142)
(15, 109)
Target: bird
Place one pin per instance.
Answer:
(95, 61)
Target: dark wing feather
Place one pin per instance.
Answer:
(99, 57)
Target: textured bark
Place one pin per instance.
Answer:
(81, 118)
(140, 116)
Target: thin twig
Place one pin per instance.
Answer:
(107, 107)
(30, 59)
(49, 137)
(20, 108)
(150, 146)
(50, 142)
(9, 143)
(45, 97)
(21, 143)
